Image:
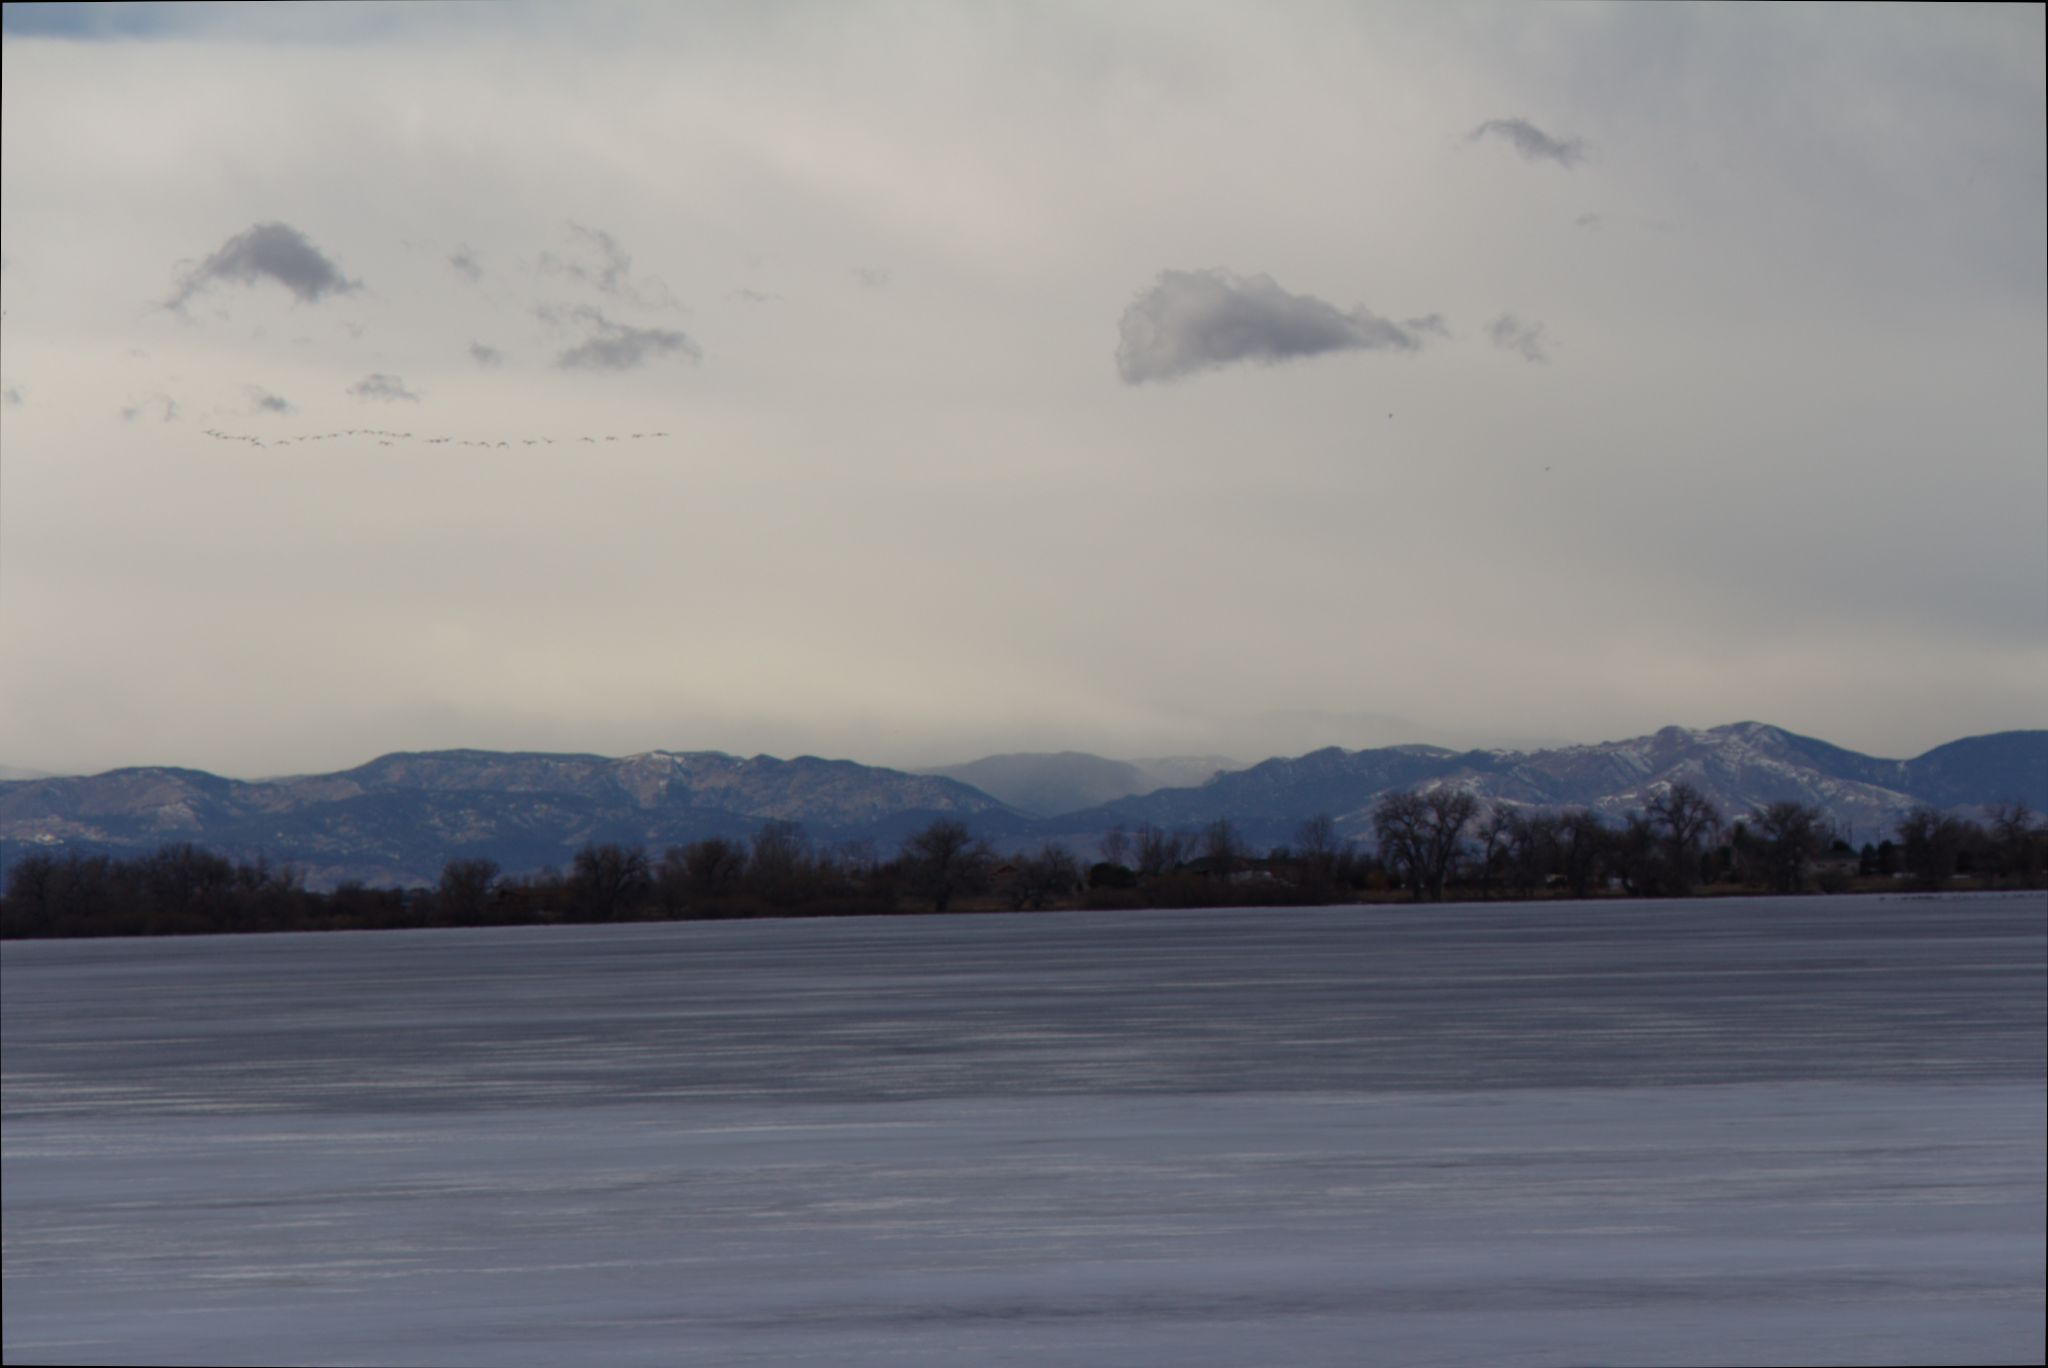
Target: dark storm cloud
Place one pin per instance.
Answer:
(1515, 335)
(268, 251)
(617, 346)
(595, 258)
(382, 386)
(463, 260)
(263, 401)
(486, 356)
(1532, 142)
(1194, 320)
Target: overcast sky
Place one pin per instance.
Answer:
(1144, 379)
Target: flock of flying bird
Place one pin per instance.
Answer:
(385, 437)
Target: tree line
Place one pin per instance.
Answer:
(1431, 844)
(1681, 844)
(184, 889)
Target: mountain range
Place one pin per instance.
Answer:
(1739, 768)
(399, 818)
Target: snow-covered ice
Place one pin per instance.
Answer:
(1777, 1131)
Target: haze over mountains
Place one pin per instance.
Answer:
(1046, 785)
(400, 818)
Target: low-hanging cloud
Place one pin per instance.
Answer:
(1190, 321)
(617, 346)
(486, 355)
(268, 251)
(1532, 142)
(463, 261)
(1527, 338)
(263, 401)
(384, 387)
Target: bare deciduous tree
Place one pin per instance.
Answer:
(464, 893)
(945, 860)
(1420, 835)
(1157, 850)
(1685, 818)
(1788, 836)
(1222, 847)
(1495, 833)
(1319, 850)
(606, 881)
(1051, 873)
(1582, 844)
(2019, 842)
(779, 865)
(1930, 846)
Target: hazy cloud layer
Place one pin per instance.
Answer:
(485, 355)
(380, 386)
(616, 346)
(268, 251)
(1532, 142)
(263, 401)
(1191, 321)
(1526, 338)
(1128, 551)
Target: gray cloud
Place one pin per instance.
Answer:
(268, 251)
(463, 260)
(751, 296)
(263, 401)
(1532, 142)
(382, 386)
(486, 356)
(615, 346)
(874, 277)
(161, 406)
(13, 396)
(1527, 338)
(596, 259)
(1194, 320)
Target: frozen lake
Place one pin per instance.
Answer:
(1770, 1131)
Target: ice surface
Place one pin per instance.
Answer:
(1785, 1131)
